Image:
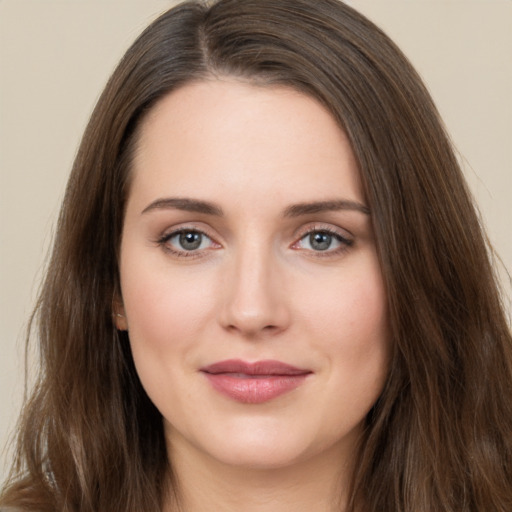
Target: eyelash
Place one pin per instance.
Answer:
(345, 243)
(163, 241)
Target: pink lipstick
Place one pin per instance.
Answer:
(254, 383)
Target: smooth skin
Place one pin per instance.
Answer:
(247, 236)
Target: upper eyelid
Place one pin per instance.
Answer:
(169, 232)
(163, 241)
(347, 241)
(323, 226)
(298, 233)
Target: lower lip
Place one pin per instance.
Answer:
(254, 390)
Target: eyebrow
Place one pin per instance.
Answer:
(294, 210)
(185, 204)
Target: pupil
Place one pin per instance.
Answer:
(190, 240)
(320, 241)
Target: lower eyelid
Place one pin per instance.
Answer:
(344, 243)
(164, 242)
(164, 239)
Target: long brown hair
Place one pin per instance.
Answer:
(440, 436)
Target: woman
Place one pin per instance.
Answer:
(269, 288)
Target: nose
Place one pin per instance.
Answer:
(255, 302)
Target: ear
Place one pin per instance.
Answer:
(119, 315)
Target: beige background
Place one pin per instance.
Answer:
(55, 57)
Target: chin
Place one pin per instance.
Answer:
(262, 456)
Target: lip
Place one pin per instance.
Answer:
(254, 383)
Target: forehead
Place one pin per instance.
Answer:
(246, 137)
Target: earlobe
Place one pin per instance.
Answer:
(119, 316)
(120, 322)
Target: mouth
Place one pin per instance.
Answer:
(254, 383)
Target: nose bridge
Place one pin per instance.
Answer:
(254, 299)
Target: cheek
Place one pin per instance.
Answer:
(166, 312)
(365, 314)
(349, 323)
(352, 308)
(163, 308)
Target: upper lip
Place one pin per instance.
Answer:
(257, 368)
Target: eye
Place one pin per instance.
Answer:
(323, 240)
(186, 242)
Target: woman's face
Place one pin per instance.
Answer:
(251, 288)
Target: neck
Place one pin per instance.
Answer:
(204, 483)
